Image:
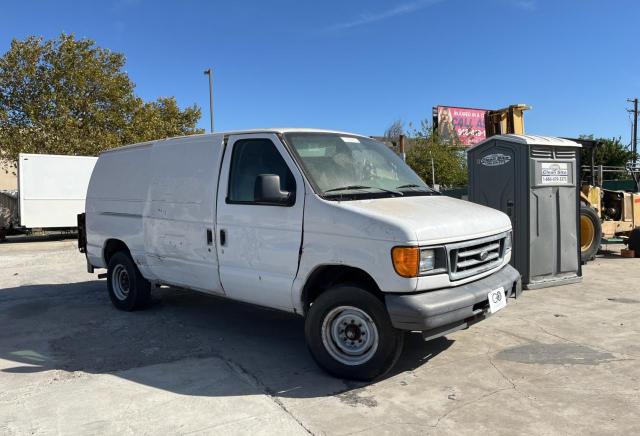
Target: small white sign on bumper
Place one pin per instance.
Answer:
(497, 300)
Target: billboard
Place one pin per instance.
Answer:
(460, 125)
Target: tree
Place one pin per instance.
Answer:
(449, 161)
(68, 96)
(393, 132)
(161, 119)
(610, 152)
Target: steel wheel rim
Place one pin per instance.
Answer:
(587, 233)
(349, 335)
(120, 282)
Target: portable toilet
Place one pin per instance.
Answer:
(534, 180)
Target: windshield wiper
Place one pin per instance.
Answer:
(410, 185)
(361, 187)
(421, 188)
(346, 188)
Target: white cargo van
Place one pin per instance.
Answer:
(332, 226)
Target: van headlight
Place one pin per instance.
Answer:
(414, 261)
(508, 241)
(427, 260)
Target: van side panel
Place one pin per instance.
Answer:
(116, 201)
(181, 210)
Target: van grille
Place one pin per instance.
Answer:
(474, 257)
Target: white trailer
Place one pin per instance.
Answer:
(52, 189)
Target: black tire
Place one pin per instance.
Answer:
(634, 241)
(122, 271)
(390, 340)
(589, 217)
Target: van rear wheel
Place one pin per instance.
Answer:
(350, 335)
(127, 288)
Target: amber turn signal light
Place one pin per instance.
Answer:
(406, 260)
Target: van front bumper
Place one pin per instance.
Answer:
(442, 311)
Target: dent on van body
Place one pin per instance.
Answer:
(338, 235)
(179, 209)
(158, 198)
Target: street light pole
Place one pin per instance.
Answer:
(207, 72)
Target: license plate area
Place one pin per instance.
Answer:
(497, 300)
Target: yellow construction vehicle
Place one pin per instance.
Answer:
(607, 214)
(506, 120)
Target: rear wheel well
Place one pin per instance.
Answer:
(325, 277)
(111, 247)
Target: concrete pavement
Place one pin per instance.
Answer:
(559, 360)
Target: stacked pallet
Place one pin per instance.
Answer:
(8, 211)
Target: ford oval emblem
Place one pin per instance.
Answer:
(494, 160)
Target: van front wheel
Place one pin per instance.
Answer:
(350, 335)
(128, 290)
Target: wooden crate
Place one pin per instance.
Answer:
(627, 253)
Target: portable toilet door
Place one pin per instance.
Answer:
(495, 180)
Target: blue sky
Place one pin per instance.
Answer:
(358, 65)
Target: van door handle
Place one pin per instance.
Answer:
(209, 237)
(223, 237)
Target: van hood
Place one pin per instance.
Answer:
(434, 219)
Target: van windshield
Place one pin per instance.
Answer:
(348, 167)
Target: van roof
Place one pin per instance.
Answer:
(235, 132)
(287, 130)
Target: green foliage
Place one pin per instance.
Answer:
(162, 119)
(68, 96)
(449, 162)
(610, 152)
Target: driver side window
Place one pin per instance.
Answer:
(251, 158)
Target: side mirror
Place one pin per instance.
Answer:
(267, 191)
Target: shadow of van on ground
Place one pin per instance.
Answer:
(182, 343)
